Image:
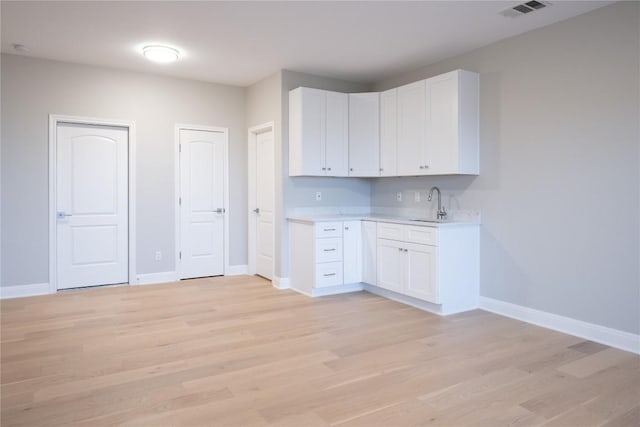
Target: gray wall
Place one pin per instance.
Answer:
(559, 182)
(33, 88)
(300, 191)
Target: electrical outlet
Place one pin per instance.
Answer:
(416, 197)
(399, 196)
(318, 196)
(158, 256)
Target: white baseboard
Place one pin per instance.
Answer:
(24, 290)
(237, 270)
(151, 278)
(590, 331)
(280, 282)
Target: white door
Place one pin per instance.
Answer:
(202, 207)
(442, 123)
(391, 265)
(369, 252)
(388, 132)
(352, 251)
(421, 275)
(364, 134)
(91, 205)
(412, 119)
(264, 204)
(337, 133)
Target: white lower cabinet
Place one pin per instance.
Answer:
(369, 252)
(439, 266)
(391, 265)
(434, 268)
(325, 256)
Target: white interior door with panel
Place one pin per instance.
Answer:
(91, 205)
(264, 185)
(202, 209)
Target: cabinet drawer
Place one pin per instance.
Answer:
(328, 229)
(390, 231)
(328, 274)
(424, 235)
(329, 249)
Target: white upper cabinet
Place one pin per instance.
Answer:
(337, 133)
(388, 132)
(452, 123)
(412, 123)
(364, 134)
(318, 132)
(429, 127)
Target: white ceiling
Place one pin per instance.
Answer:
(240, 43)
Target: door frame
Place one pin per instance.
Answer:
(225, 190)
(54, 121)
(252, 139)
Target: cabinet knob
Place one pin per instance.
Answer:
(324, 169)
(426, 166)
(400, 249)
(381, 170)
(328, 169)
(351, 169)
(421, 167)
(346, 228)
(406, 250)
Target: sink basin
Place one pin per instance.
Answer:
(434, 221)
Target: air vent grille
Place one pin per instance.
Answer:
(524, 8)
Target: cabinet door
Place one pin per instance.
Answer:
(369, 252)
(421, 275)
(442, 124)
(412, 120)
(391, 265)
(388, 132)
(306, 132)
(336, 133)
(364, 134)
(352, 251)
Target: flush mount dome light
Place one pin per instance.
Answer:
(159, 53)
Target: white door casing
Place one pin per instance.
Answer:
(91, 202)
(202, 207)
(261, 199)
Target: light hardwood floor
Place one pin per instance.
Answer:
(234, 351)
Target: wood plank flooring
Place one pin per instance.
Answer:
(236, 352)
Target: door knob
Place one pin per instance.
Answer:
(256, 210)
(62, 215)
(220, 210)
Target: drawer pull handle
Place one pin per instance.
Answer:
(329, 250)
(329, 229)
(329, 274)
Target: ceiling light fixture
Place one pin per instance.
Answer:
(158, 53)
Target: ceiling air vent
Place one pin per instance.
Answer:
(524, 8)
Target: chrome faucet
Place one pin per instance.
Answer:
(442, 212)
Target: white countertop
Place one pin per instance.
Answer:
(312, 219)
